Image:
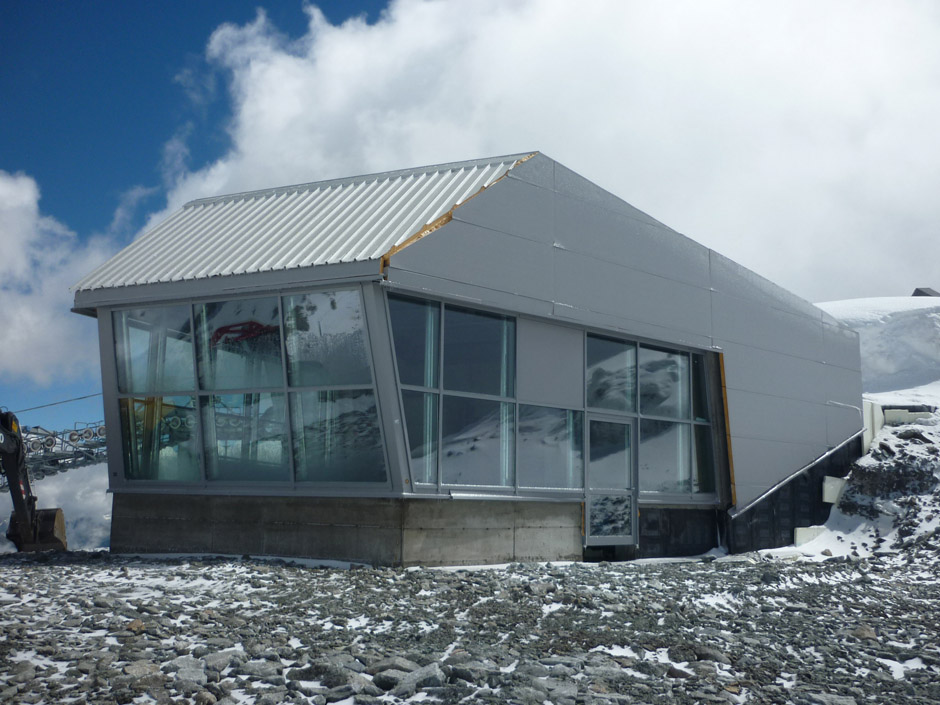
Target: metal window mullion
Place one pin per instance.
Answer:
(198, 424)
(288, 407)
(367, 335)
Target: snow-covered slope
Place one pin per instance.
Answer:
(899, 338)
(892, 499)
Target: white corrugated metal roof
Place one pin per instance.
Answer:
(346, 220)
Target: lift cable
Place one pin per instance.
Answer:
(56, 403)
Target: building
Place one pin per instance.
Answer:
(474, 362)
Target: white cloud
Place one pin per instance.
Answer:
(798, 138)
(82, 495)
(39, 258)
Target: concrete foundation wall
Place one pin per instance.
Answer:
(375, 531)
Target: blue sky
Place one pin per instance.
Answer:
(89, 94)
(796, 137)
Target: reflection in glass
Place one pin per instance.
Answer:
(325, 339)
(154, 349)
(159, 437)
(479, 352)
(477, 445)
(664, 383)
(611, 515)
(415, 328)
(703, 470)
(550, 447)
(610, 456)
(245, 437)
(421, 424)
(699, 387)
(611, 374)
(336, 437)
(665, 457)
(239, 344)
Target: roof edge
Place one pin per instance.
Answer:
(443, 220)
(365, 178)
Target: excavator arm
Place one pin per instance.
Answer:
(30, 529)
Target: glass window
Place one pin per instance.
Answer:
(325, 339)
(337, 437)
(159, 438)
(245, 437)
(421, 424)
(703, 467)
(610, 456)
(154, 350)
(665, 457)
(550, 447)
(479, 352)
(239, 344)
(477, 445)
(664, 383)
(611, 374)
(611, 515)
(699, 387)
(415, 328)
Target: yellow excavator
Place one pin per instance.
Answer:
(30, 529)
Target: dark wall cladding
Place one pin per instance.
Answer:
(771, 522)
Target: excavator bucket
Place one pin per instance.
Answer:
(48, 535)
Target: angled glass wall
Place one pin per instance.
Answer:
(276, 390)
(456, 367)
(465, 427)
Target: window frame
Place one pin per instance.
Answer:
(203, 396)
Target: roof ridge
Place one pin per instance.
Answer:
(364, 178)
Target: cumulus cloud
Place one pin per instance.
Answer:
(798, 138)
(39, 258)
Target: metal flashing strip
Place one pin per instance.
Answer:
(803, 470)
(443, 220)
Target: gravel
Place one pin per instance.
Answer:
(92, 628)
(849, 629)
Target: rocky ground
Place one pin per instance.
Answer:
(857, 622)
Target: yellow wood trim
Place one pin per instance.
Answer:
(724, 404)
(442, 221)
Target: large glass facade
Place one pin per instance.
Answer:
(281, 390)
(550, 448)
(646, 408)
(276, 390)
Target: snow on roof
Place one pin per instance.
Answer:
(345, 220)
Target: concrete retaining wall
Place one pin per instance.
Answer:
(375, 531)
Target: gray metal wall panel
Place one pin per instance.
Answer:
(634, 329)
(498, 209)
(550, 364)
(568, 183)
(778, 461)
(538, 170)
(420, 284)
(840, 347)
(484, 258)
(775, 418)
(754, 324)
(841, 423)
(731, 278)
(595, 284)
(765, 372)
(585, 228)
